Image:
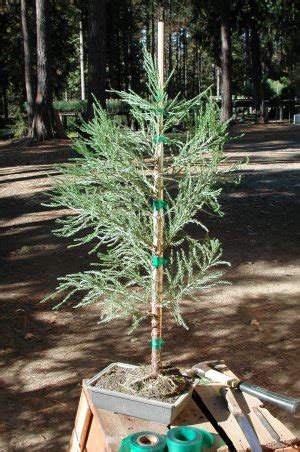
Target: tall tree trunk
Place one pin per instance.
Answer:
(27, 64)
(81, 58)
(5, 102)
(96, 54)
(113, 41)
(147, 24)
(257, 71)
(46, 124)
(184, 62)
(218, 80)
(226, 63)
(247, 57)
(152, 29)
(199, 70)
(125, 44)
(177, 59)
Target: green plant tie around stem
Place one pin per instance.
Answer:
(159, 139)
(159, 98)
(159, 204)
(161, 111)
(158, 261)
(156, 344)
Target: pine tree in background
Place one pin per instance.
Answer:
(112, 191)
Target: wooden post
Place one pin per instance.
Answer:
(158, 225)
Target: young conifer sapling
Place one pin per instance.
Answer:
(135, 208)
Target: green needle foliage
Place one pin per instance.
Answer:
(109, 191)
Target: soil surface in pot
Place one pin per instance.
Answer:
(166, 387)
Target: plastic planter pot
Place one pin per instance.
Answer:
(117, 402)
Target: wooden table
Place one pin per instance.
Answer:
(98, 430)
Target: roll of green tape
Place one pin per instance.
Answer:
(144, 442)
(188, 439)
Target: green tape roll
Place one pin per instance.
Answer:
(188, 439)
(144, 442)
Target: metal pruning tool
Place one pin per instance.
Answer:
(213, 371)
(241, 419)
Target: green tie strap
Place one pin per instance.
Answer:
(159, 139)
(159, 261)
(159, 204)
(157, 343)
(162, 112)
(159, 98)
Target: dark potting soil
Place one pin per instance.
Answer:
(166, 387)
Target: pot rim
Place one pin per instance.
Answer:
(90, 385)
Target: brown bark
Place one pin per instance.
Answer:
(247, 57)
(184, 62)
(5, 101)
(199, 71)
(257, 71)
(152, 29)
(126, 56)
(177, 63)
(147, 24)
(27, 64)
(96, 54)
(226, 63)
(45, 124)
(113, 37)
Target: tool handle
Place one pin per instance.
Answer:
(287, 403)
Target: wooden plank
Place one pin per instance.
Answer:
(210, 397)
(285, 435)
(118, 426)
(82, 424)
(263, 435)
(95, 441)
(104, 447)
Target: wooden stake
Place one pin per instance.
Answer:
(158, 225)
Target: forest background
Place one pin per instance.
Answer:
(243, 49)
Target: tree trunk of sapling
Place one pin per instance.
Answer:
(158, 224)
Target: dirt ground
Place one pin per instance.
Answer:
(45, 354)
